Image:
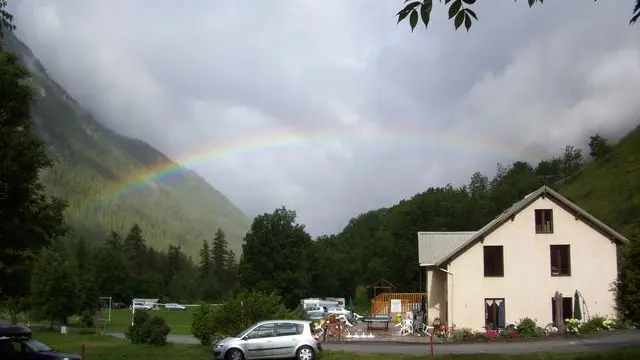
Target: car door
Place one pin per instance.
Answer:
(260, 342)
(287, 337)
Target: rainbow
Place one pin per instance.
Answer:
(144, 176)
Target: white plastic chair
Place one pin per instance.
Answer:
(406, 327)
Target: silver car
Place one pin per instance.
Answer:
(273, 339)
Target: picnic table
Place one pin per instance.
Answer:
(385, 319)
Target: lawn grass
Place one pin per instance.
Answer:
(98, 347)
(102, 347)
(178, 321)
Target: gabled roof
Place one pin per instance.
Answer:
(463, 244)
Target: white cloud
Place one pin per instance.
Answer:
(330, 108)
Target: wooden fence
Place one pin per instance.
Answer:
(381, 304)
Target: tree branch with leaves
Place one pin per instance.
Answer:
(461, 13)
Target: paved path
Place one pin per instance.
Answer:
(609, 341)
(596, 342)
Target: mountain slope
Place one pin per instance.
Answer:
(95, 170)
(610, 187)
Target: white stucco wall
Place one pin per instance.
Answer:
(436, 295)
(527, 285)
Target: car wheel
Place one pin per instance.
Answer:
(305, 353)
(234, 354)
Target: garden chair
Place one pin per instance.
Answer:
(344, 320)
(406, 327)
(420, 328)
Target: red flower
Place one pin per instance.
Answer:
(491, 334)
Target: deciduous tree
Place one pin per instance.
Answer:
(55, 292)
(598, 146)
(460, 11)
(274, 256)
(29, 219)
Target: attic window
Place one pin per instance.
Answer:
(544, 221)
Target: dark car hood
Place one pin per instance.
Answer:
(62, 355)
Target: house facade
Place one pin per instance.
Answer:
(528, 262)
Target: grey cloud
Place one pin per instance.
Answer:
(380, 113)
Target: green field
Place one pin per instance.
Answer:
(104, 347)
(178, 321)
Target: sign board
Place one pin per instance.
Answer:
(396, 305)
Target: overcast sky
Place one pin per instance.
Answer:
(328, 107)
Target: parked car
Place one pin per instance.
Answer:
(118, 305)
(274, 339)
(315, 312)
(138, 305)
(337, 310)
(174, 306)
(16, 344)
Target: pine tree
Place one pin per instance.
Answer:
(219, 250)
(231, 271)
(114, 240)
(204, 268)
(135, 249)
(208, 284)
(219, 254)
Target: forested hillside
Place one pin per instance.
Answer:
(91, 163)
(382, 243)
(609, 187)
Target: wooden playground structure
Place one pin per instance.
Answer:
(384, 292)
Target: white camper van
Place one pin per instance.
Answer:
(317, 303)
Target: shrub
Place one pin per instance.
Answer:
(148, 330)
(159, 331)
(87, 318)
(140, 331)
(464, 334)
(572, 326)
(237, 313)
(457, 335)
(75, 320)
(200, 327)
(527, 328)
(597, 324)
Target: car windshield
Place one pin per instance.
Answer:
(244, 332)
(37, 346)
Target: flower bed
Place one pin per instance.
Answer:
(528, 329)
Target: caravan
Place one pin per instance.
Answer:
(317, 303)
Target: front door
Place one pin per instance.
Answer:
(260, 342)
(566, 310)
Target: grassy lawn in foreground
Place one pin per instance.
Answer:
(178, 321)
(104, 347)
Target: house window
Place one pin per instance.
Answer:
(560, 260)
(494, 314)
(544, 221)
(566, 311)
(493, 261)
